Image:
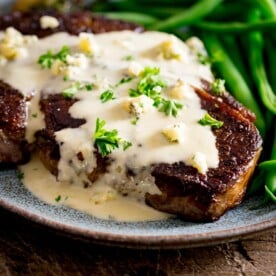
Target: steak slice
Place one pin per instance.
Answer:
(13, 146)
(201, 197)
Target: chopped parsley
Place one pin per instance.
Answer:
(34, 115)
(204, 58)
(128, 58)
(218, 86)
(124, 80)
(107, 140)
(151, 85)
(58, 198)
(76, 87)
(20, 175)
(170, 108)
(107, 95)
(208, 120)
(46, 60)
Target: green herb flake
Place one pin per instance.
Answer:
(218, 87)
(170, 108)
(20, 175)
(208, 120)
(46, 60)
(58, 198)
(107, 95)
(204, 58)
(150, 84)
(75, 87)
(128, 58)
(126, 145)
(107, 140)
(124, 80)
(34, 115)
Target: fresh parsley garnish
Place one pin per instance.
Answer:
(20, 175)
(124, 80)
(46, 60)
(128, 58)
(208, 120)
(218, 87)
(58, 198)
(107, 140)
(203, 58)
(170, 108)
(107, 95)
(151, 85)
(76, 87)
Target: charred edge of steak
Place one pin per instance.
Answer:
(199, 197)
(73, 23)
(230, 100)
(57, 117)
(13, 146)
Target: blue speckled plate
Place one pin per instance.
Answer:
(172, 233)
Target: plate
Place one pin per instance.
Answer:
(172, 233)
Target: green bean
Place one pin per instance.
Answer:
(268, 165)
(271, 54)
(233, 78)
(268, 7)
(255, 57)
(198, 11)
(138, 18)
(237, 27)
(231, 45)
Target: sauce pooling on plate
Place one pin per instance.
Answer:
(136, 93)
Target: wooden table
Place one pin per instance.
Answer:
(27, 249)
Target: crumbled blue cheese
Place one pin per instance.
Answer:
(47, 21)
(195, 45)
(138, 105)
(199, 162)
(13, 44)
(175, 132)
(73, 66)
(87, 44)
(181, 90)
(169, 49)
(134, 69)
(103, 197)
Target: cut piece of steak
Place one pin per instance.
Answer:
(13, 146)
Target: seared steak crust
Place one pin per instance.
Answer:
(13, 146)
(73, 23)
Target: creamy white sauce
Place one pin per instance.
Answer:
(105, 69)
(98, 200)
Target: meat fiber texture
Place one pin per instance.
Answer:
(184, 191)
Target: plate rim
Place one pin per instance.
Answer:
(143, 241)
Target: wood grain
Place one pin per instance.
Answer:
(27, 249)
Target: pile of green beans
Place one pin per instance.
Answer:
(240, 38)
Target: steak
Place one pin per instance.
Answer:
(184, 191)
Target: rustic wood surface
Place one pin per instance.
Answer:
(26, 249)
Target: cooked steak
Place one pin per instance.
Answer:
(184, 191)
(13, 146)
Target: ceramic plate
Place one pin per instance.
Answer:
(171, 233)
